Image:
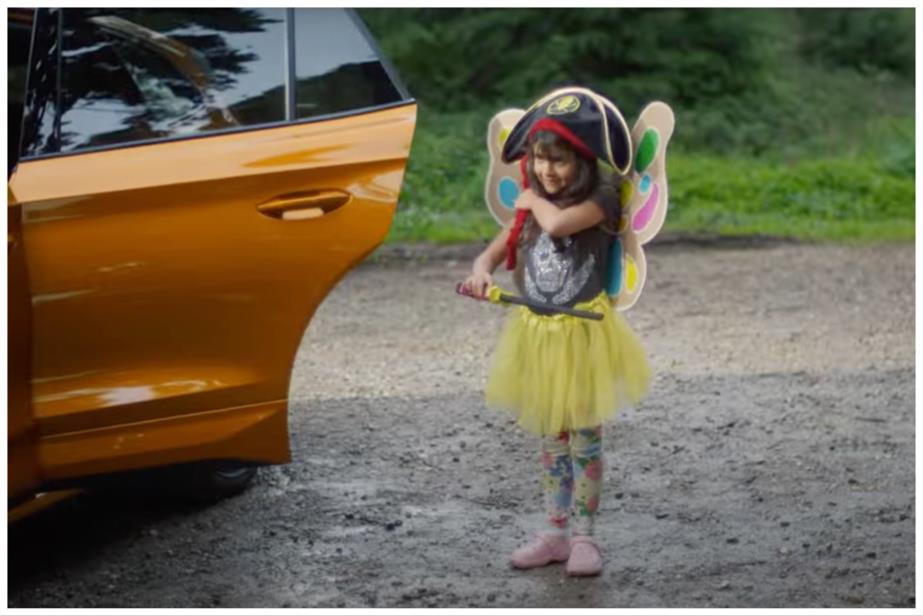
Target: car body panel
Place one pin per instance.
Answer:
(23, 474)
(158, 260)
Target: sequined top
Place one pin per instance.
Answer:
(567, 270)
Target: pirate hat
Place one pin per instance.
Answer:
(590, 122)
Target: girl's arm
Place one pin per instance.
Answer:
(558, 222)
(486, 262)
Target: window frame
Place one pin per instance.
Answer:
(17, 152)
(289, 76)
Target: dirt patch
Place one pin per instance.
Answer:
(771, 466)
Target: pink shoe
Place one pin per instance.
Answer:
(585, 557)
(546, 549)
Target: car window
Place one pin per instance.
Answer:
(140, 75)
(337, 69)
(137, 74)
(19, 35)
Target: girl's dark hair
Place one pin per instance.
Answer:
(585, 181)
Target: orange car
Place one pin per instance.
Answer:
(184, 189)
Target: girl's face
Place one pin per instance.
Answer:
(555, 167)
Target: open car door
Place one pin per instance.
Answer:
(183, 218)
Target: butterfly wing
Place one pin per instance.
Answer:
(644, 204)
(504, 182)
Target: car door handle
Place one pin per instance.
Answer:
(302, 206)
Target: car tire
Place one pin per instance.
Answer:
(212, 481)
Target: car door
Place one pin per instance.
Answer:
(193, 182)
(23, 474)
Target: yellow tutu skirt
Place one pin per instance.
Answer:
(560, 372)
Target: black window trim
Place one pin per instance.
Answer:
(291, 77)
(406, 99)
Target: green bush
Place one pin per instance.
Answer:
(466, 57)
(870, 40)
(827, 199)
(742, 81)
(793, 122)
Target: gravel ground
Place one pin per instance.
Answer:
(772, 464)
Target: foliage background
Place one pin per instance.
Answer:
(792, 122)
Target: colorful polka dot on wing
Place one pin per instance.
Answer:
(614, 275)
(645, 184)
(647, 149)
(504, 133)
(508, 191)
(643, 216)
(631, 274)
(627, 190)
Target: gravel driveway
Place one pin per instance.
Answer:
(771, 466)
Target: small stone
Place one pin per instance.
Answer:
(785, 550)
(491, 597)
(784, 524)
(871, 555)
(733, 540)
(725, 585)
(855, 599)
(661, 515)
(619, 495)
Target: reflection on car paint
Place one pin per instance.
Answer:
(111, 396)
(45, 298)
(120, 266)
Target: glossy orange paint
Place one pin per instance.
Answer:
(167, 307)
(22, 454)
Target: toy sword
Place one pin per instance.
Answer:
(496, 296)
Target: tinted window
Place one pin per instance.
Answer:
(19, 35)
(336, 67)
(137, 74)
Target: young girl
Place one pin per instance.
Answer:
(562, 376)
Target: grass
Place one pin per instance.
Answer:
(860, 192)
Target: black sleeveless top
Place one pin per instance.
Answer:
(567, 270)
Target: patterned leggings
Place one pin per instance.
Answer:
(572, 477)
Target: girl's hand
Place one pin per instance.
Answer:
(478, 283)
(524, 200)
